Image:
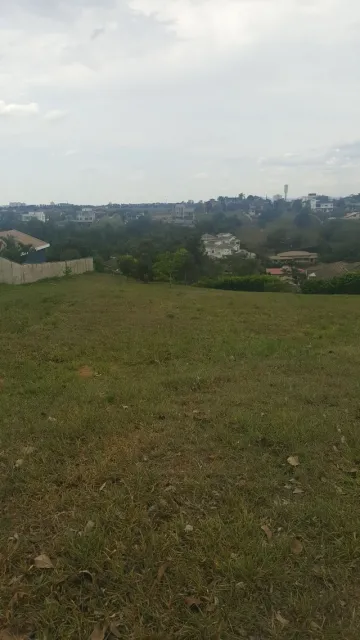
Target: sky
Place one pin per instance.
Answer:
(168, 100)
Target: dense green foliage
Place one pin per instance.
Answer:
(244, 283)
(346, 284)
(14, 251)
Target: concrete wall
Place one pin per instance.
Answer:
(13, 273)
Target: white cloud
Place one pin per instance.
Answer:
(31, 108)
(54, 115)
(70, 152)
(179, 88)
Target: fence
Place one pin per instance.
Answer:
(13, 273)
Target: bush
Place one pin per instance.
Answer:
(245, 283)
(99, 264)
(346, 284)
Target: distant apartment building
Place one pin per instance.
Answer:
(33, 215)
(321, 207)
(87, 214)
(14, 205)
(318, 204)
(183, 214)
(307, 198)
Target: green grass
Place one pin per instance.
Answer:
(190, 405)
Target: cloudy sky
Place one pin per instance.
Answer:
(147, 100)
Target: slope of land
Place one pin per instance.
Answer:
(186, 459)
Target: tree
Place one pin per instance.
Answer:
(14, 251)
(184, 265)
(303, 220)
(239, 266)
(70, 254)
(164, 267)
(297, 206)
(173, 266)
(128, 266)
(278, 240)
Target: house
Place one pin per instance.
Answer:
(295, 256)
(184, 215)
(317, 206)
(33, 215)
(87, 214)
(277, 272)
(38, 252)
(355, 215)
(221, 246)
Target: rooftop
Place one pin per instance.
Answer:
(295, 255)
(25, 239)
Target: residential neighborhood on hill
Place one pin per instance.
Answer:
(241, 235)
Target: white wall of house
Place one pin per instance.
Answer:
(87, 215)
(33, 215)
(323, 207)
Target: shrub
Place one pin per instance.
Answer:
(346, 284)
(99, 264)
(245, 283)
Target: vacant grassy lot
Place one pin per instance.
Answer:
(145, 438)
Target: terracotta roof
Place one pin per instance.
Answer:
(275, 272)
(25, 239)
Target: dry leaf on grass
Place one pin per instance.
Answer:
(281, 619)
(19, 463)
(27, 451)
(99, 632)
(314, 626)
(193, 603)
(189, 528)
(293, 461)
(85, 372)
(297, 546)
(267, 531)
(298, 491)
(89, 526)
(43, 562)
(161, 571)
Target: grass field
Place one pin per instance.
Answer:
(186, 459)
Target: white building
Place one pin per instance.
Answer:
(221, 246)
(183, 214)
(33, 215)
(355, 215)
(321, 207)
(86, 215)
(307, 198)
